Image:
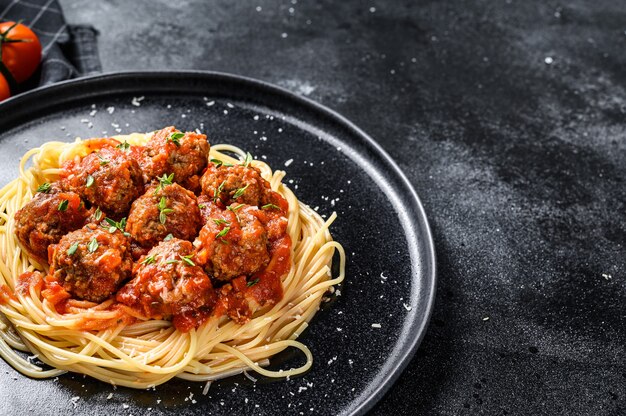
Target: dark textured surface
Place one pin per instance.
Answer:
(520, 165)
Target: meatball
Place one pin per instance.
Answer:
(167, 283)
(233, 242)
(163, 210)
(91, 263)
(48, 217)
(236, 183)
(110, 179)
(240, 184)
(170, 151)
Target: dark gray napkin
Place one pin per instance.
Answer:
(68, 51)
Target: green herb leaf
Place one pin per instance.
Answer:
(123, 146)
(93, 245)
(235, 208)
(218, 191)
(247, 161)
(164, 180)
(217, 162)
(90, 181)
(201, 206)
(63, 205)
(187, 259)
(72, 249)
(44, 187)
(240, 191)
(220, 221)
(268, 206)
(114, 225)
(103, 161)
(175, 138)
(172, 261)
(253, 282)
(168, 237)
(222, 233)
(98, 214)
(163, 210)
(148, 260)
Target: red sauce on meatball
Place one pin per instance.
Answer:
(163, 210)
(109, 179)
(47, 218)
(91, 263)
(168, 284)
(171, 151)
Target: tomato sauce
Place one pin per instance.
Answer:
(6, 295)
(28, 280)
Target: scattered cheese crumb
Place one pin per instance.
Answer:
(376, 326)
(289, 162)
(136, 101)
(110, 396)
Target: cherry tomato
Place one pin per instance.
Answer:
(21, 58)
(5, 92)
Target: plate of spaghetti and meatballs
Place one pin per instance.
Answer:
(204, 241)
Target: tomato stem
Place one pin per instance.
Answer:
(6, 32)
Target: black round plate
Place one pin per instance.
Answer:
(361, 340)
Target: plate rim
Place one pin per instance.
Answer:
(418, 329)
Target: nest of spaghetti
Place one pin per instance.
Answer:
(139, 258)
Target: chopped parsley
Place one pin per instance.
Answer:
(201, 206)
(63, 205)
(270, 206)
(235, 208)
(172, 261)
(98, 214)
(90, 181)
(72, 249)
(219, 163)
(187, 259)
(103, 161)
(148, 260)
(44, 187)
(163, 210)
(218, 191)
(175, 138)
(168, 237)
(123, 146)
(220, 221)
(240, 191)
(164, 180)
(253, 282)
(247, 160)
(222, 233)
(93, 245)
(114, 225)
